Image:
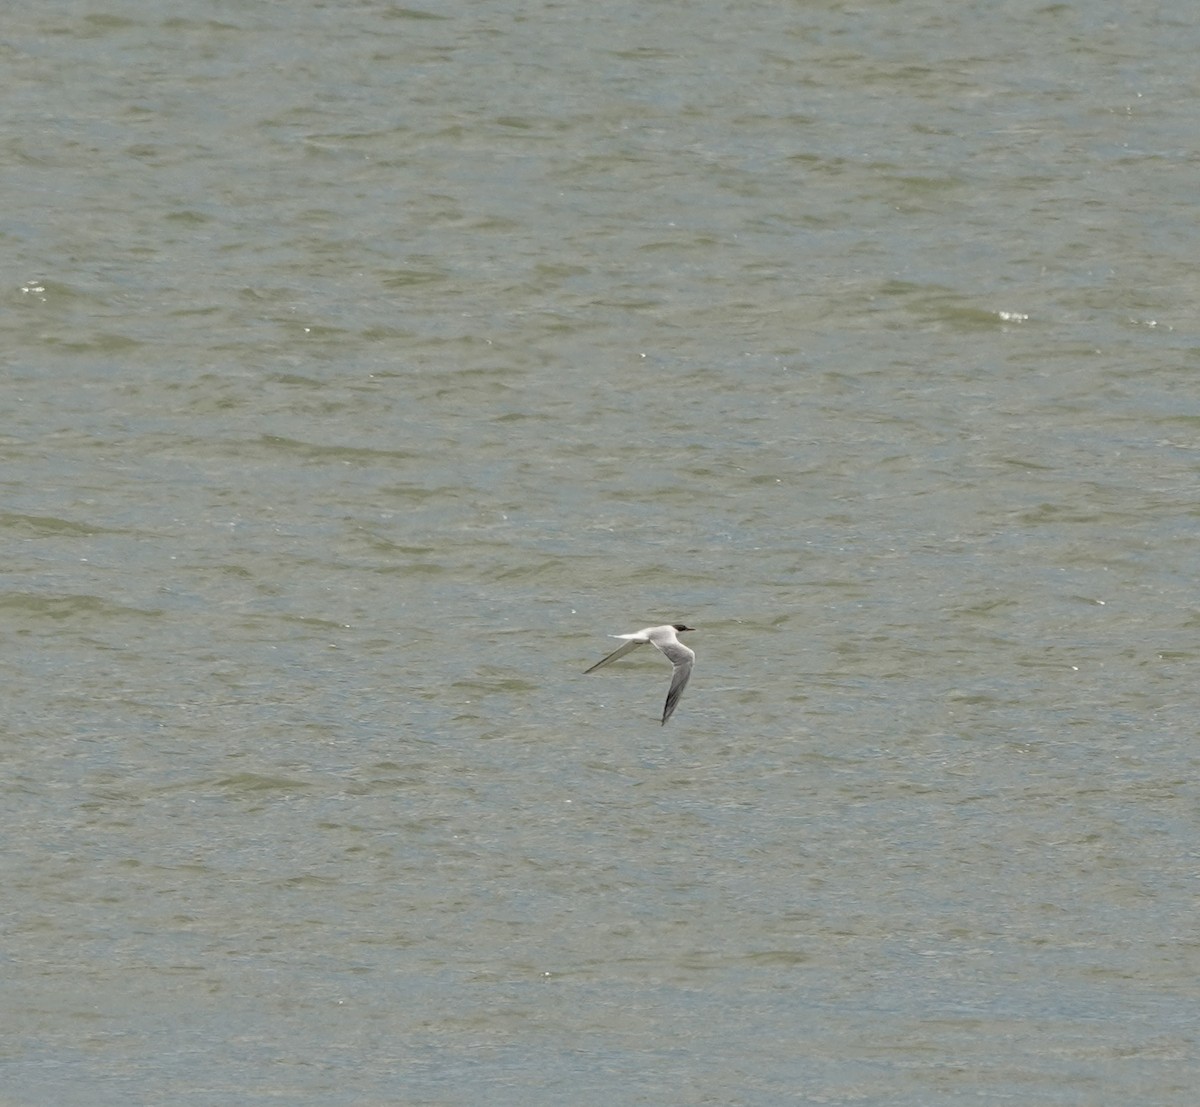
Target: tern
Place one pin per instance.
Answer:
(665, 641)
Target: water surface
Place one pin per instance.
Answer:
(369, 364)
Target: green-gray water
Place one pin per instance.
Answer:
(367, 365)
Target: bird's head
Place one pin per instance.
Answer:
(680, 626)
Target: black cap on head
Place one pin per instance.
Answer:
(680, 626)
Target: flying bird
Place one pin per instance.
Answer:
(665, 641)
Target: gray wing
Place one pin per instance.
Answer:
(621, 651)
(681, 657)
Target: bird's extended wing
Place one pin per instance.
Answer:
(620, 651)
(682, 659)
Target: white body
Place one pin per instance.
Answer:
(666, 640)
